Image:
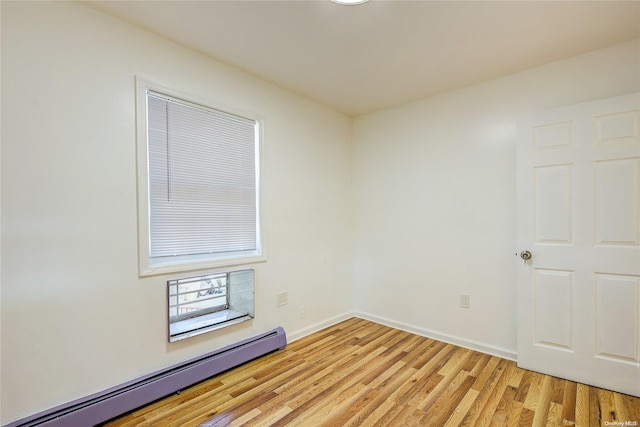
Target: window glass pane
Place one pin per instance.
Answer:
(195, 297)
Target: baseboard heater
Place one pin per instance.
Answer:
(103, 406)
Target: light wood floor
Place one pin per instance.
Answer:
(359, 373)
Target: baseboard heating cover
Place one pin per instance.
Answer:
(103, 406)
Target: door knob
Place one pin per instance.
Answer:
(525, 255)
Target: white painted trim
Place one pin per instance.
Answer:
(186, 264)
(450, 339)
(301, 333)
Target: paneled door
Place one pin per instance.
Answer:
(579, 227)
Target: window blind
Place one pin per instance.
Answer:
(202, 180)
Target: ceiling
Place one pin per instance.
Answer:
(364, 58)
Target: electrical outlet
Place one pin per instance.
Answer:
(464, 301)
(282, 298)
(301, 312)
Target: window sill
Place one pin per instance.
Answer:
(199, 264)
(199, 325)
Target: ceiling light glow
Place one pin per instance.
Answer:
(349, 2)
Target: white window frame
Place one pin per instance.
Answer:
(147, 265)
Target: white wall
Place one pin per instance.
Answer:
(76, 318)
(420, 208)
(435, 198)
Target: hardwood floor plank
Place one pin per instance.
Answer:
(595, 416)
(222, 413)
(460, 411)
(542, 404)
(384, 377)
(401, 342)
(330, 385)
(473, 360)
(376, 335)
(508, 411)
(384, 401)
(372, 418)
(421, 353)
(270, 417)
(246, 418)
(442, 408)
(323, 346)
(583, 405)
(557, 390)
(485, 392)
(424, 379)
(389, 415)
(480, 366)
(312, 373)
(623, 414)
(345, 415)
(633, 406)
(448, 380)
(486, 373)
(361, 374)
(493, 399)
(554, 414)
(516, 377)
(526, 417)
(607, 406)
(332, 406)
(524, 386)
(456, 362)
(408, 416)
(201, 403)
(569, 402)
(533, 394)
(415, 393)
(384, 369)
(160, 408)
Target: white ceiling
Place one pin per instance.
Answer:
(359, 59)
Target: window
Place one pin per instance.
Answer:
(205, 303)
(198, 184)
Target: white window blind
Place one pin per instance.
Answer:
(202, 181)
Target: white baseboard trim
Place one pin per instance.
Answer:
(308, 330)
(450, 339)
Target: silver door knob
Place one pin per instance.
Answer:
(525, 255)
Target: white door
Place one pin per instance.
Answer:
(579, 217)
